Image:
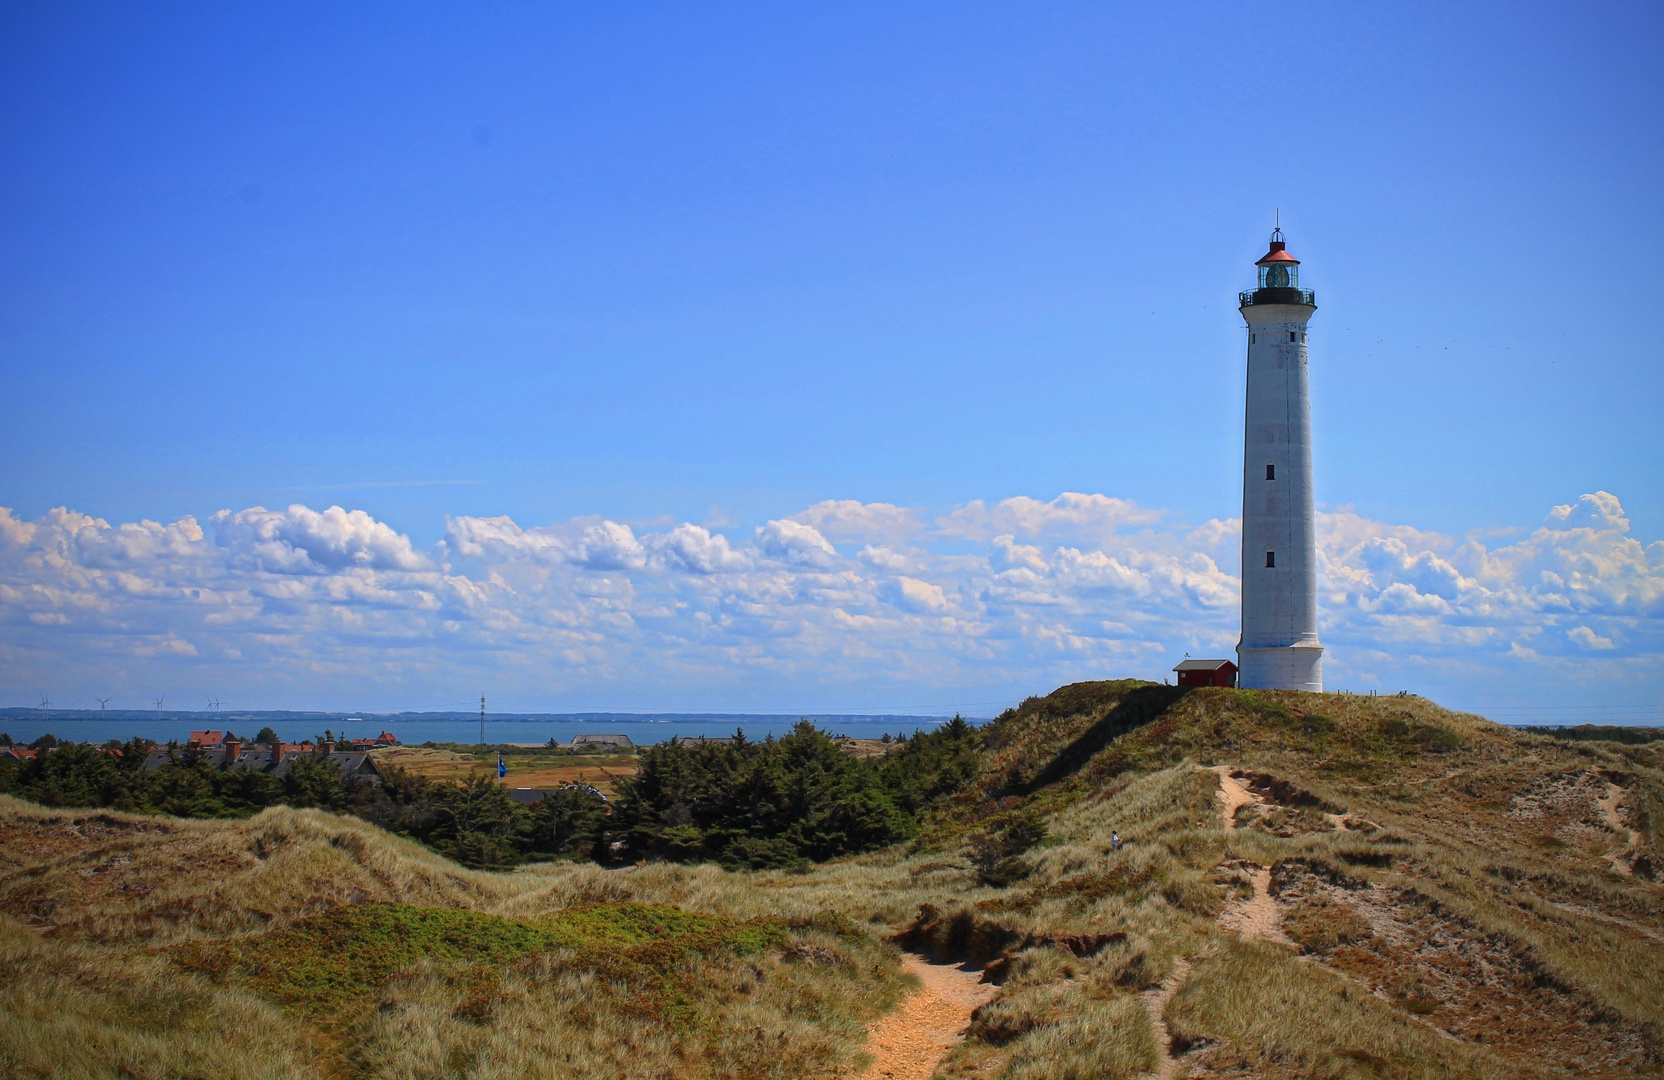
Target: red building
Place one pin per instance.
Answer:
(1206, 673)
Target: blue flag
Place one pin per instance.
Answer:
(502, 770)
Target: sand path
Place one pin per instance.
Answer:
(909, 1040)
(1614, 820)
(1155, 1002)
(1233, 794)
(1257, 916)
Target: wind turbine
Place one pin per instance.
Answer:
(102, 702)
(159, 701)
(45, 702)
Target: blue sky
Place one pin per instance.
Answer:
(659, 265)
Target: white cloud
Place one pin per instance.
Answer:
(911, 594)
(1013, 599)
(300, 540)
(500, 539)
(1389, 559)
(793, 542)
(883, 558)
(610, 546)
(1070, 514)
(1599, 512)
(1589, 639)
(694, 548)
(852, 520)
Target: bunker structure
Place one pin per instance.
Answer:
(1279, 648)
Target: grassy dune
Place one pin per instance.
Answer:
(1403, 892)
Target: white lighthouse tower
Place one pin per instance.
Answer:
(1279, 649)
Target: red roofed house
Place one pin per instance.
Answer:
(1206, 673)
(206, 740)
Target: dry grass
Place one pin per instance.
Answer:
(69, 1010)
(533, 768)
(1449, 883)
(1253, 1007)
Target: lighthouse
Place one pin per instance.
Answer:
(1279, 649)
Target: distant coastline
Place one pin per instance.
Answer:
(89, 725)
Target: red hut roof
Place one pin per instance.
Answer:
(1203, 665)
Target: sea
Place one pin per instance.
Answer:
(27, 725)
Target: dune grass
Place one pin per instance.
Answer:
(1448, 884)
(328, 963)
(71, 1010)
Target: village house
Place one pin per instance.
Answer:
(600, 742)
(386, 738)
(274, 758)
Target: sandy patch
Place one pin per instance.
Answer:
(909, 1041)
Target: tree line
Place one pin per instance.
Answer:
(475, 821)
(751, 804)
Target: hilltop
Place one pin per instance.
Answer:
(1308, 886)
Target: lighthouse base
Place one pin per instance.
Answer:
(1287, 667)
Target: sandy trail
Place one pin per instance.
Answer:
(1256, 917)
(1233, 794)
(1155, 1001)
(909, 1040)
(1614, 820)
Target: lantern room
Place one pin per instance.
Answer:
(1279, 269)
(1279, 278)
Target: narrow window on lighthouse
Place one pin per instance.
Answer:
(1251, 339)
(1270, 471)
(1271, 560)
(1292, 337)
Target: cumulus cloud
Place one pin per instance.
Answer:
(911, 594)
(883, 557)
(1389, 561)
(1600, 512)
(694, 548)
(610, 546)
(794, 542)
(1589, 639)
(499, 539)
(1070, 514)
(1019, 596)
(300, 540)
(852, 520)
